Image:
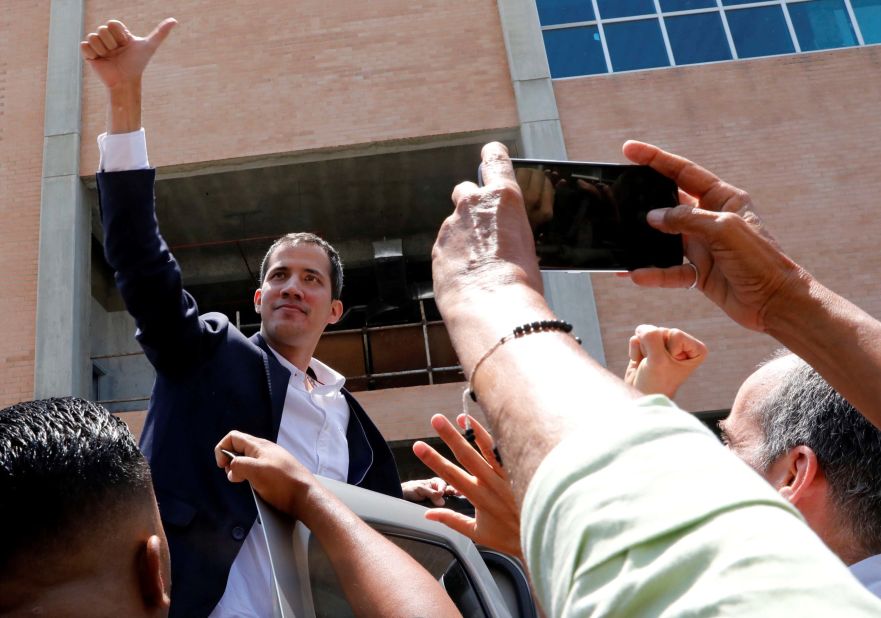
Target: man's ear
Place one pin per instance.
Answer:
(154, 573)
(258, 299)
(336, 311)
(797, 474)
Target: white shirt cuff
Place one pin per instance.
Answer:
(123, 151)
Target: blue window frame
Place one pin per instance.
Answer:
(564, 11)
(636, 45)
(759, 31)
(697, 38)
(575, 51)
(868, 13)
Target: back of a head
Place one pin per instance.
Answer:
(70, 473)
(804, 410)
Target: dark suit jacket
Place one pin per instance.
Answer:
(210, 379)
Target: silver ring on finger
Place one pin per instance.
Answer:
(697, 275)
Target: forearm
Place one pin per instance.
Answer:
(837, 338)
(365, 562)
(527, 386)
(124, 107)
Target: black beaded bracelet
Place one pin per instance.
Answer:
(539, 326)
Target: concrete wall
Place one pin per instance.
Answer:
(23, 51)
(283, 77)
(801, 133)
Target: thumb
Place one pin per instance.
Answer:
(651, 341)
(161, 32)
(683, 219)
(242, 468)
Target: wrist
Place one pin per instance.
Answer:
(477, 319)
(124, 113)
(793, 307)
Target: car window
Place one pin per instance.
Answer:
(330, 601)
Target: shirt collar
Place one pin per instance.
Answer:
(328, 381)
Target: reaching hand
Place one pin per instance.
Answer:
(433, 489)
(486, 243)
(274, 473)
(662, 359)
(740, 266)
(496, 521)
(117, 56)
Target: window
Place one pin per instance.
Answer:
(636, 45)
(868, 14)
(697, 38)
(759, 31)
(330, 601)
(575, 51)
(587, 37)
(822, 24)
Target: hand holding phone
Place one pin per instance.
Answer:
(592, 216)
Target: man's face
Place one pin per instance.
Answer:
(294, 300)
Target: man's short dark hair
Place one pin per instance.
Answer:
(66, 466)
(299, 238)
(804, 409)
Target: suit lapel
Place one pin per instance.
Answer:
(277, 378)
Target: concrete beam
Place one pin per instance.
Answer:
(62, 365)
(570, 295)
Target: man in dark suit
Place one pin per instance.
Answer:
(211, 378)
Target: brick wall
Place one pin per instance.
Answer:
(279, 77)
(23, 49)
(801, 133)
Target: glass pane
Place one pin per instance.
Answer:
(625, 8)
(636, 45)
(822, 24)
(685, 5)
(697, 38)
(759, 32)
(733, 2)
(868, 14)
(574, 51)
(564, 11)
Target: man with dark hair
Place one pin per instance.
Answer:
(819, 452)
(211, 379)
(82, 535)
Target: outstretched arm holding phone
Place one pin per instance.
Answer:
(615, 515)
(744, 271)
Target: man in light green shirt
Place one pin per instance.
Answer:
(629, 506)
(644, 514)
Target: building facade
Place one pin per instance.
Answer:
(355, 120)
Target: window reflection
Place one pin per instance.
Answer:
(625, 8)
(564, 11)
(636, 45)
(685, 5)
(697, 38)
(822, 24)
(574, 51)
(868, 13)
(760, 31)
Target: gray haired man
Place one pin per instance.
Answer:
(819, 452)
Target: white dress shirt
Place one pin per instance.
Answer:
(313, 425)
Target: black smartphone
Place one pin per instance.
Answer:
(592, 216)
